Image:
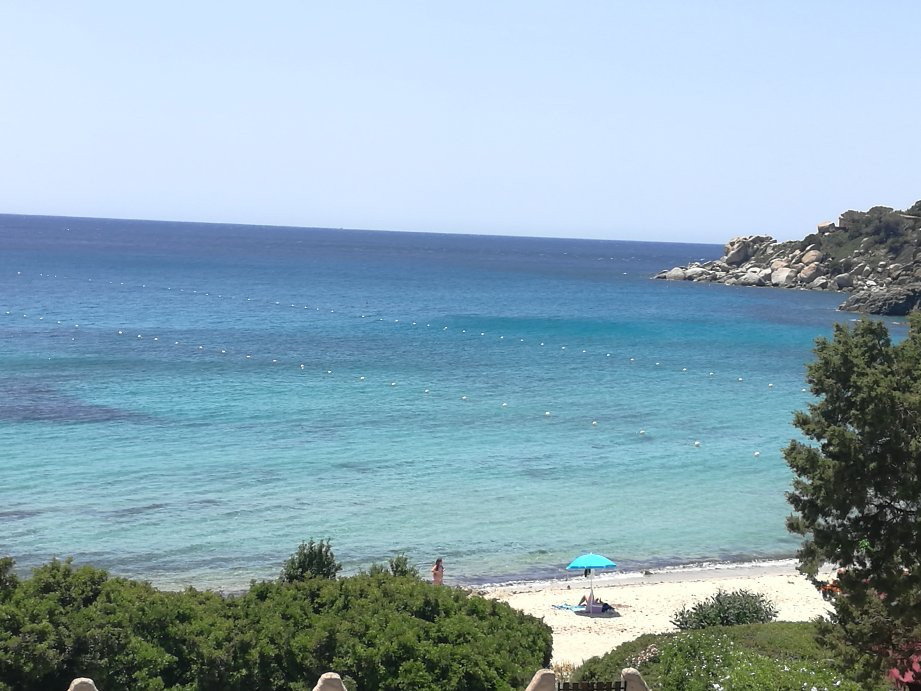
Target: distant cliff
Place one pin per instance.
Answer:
(874, 255)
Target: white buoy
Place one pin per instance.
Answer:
(463, 398)
(642, 431)
(504, 405)
(223, 352)
(684, 369)
(740, 378)
(631, 360)
(770, 386)
(426, 391)
(302, 367)
(607, 355)
(359, 378)
(711, 374)
(329, 371)
(756, 454)
(594, 423)
(547, 414)
(119, 333)
(393, 383)
(696, 443)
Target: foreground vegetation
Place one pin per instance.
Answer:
(384, 629)
(776, 656)
(857, 491)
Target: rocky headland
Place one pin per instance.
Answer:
(874, 255)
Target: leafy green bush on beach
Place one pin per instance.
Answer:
(383, 631)
(726, 609)
(776, 656)
(312, 559)
(711, 660)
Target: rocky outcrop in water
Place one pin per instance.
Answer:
(873, 255)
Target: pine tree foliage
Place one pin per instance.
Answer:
(857, 488)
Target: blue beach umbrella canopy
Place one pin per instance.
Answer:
(590, 561)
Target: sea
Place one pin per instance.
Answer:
(186, 403)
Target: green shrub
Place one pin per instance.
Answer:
(8, 579)
(400, 566)
(384, 632)
(726, 609)
(759, 650)
(712, 661)
(608, 666)
(311, 560)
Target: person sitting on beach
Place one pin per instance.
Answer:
(591, 601)
(438, 572)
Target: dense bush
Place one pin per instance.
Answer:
(312, 559)
(726, 609)
(711, 661)
(762, 654)
(386, 632)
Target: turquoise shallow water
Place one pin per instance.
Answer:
(185, 403)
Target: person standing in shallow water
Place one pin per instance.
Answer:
(438, 572)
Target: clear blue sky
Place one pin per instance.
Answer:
(686, 121)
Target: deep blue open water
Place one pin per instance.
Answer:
(185, 403)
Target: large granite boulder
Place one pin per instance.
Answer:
(751, 278)
(810, 272)
(783, 277)
(811, 256)
(676, 274)
(779, 263)
(739, 250)
(844, 281)
(894, 301)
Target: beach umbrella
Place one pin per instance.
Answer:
(590, 562)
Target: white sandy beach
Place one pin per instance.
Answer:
(645, 603)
